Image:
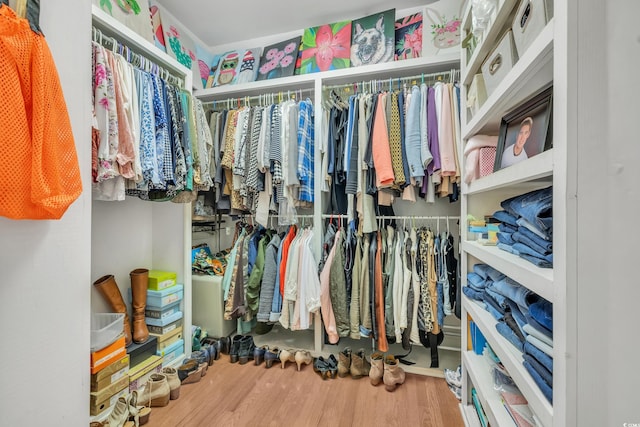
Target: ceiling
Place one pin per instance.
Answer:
(217, 23)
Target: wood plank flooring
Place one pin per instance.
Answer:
(248, 395)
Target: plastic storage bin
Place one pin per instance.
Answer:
(105, 329)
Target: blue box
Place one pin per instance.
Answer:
(163, 298)
(165, 320)
(172, 352)
(161, 313)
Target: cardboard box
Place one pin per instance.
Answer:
(161, 313)
(104, 357)
(164, 321)
(110, 374)
(159, 280)
(169, 338)
(161, 330)
(171, 353)
(107, 397)
(138, 353)
(139, 375)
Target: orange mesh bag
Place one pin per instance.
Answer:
(39, 172)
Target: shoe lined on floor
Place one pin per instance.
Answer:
(235, 348)
(174, 382)
(288, 355)
(138, 414)
(302, 356)
(156, 391)
(453, 378)
(258, 354)
(245, 352)
(271, 355)
(322, 367)
(344, 362)
(377, 368)
(190, 371)
(457, 391)
(360, 366)
(393, 374)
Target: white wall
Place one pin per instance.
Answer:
(45, 265)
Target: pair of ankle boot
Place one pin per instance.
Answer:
(242, 349)
(299, 357)
(386, 369)
(193, 369)
(222, 345)
(355, 364)
(326, 368)
(160, 389)
(269, 355)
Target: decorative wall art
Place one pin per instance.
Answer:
(237, 66)
(409, 37)
(156, 22)
(279, 60)
(442, 25)
(132, 13)
(373, 39)
(326, 47)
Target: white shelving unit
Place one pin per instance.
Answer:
(135, 233)
(314, 83)
(533, 72)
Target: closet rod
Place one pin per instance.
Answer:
(451, 75)
(264, 99)
(329, 216)
(135, 58)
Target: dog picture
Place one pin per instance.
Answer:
(373, 44)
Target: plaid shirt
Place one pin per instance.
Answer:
(305, 151)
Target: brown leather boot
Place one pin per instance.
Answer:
(393, 373)
(344, 362)
(108, 288)
(377, 369)
(360, 366)
(139, 284)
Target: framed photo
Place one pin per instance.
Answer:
(526, 131)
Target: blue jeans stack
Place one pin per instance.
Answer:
(526, 227)
(524, 319)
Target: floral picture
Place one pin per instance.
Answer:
(373, 39)
(442, 22)
(326, 47)
(409, 37)
(279, 60)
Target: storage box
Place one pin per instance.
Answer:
(159, 280)
(499, 62)
(104, 407)
(102, 358)
(101, 400)
(208, 306)
(139, 375)
(477, 94)
(140, 352)
(105, 329)
(487, 159)
(159, 299)
(110, 374)
(161, 330)
(530, 19)
(172, 352)
(161, 313)
(165, 320)
(169, 338)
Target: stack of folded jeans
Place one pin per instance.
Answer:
(478, 280)
(538, 348)
(526, 227)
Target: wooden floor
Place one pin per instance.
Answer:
(248, 395)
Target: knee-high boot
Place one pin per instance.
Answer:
(108, 288)
(139, 284)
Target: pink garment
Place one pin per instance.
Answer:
(126, 153)
(472, 155)
(380, 146)
(326, 308)
(446, 137)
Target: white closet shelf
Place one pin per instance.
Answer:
(538, 168)
(469, 416)
(539, 280)
(385, 71)
(489, 41)
(479, 371)
(111, 27)
(511, 358)
(533, 71)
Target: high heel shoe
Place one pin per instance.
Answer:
(138, 414)
(333, 366)
(302, 356)
(285, 356)
(156, 392)
(174, 382)
(270, 356)
(259, 354)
